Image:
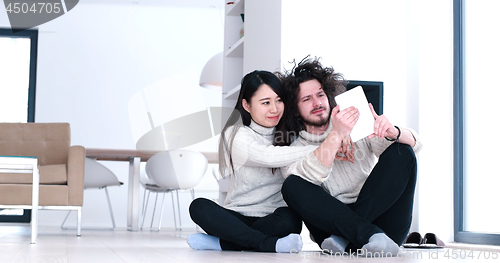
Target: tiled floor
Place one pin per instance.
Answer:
(56, 245)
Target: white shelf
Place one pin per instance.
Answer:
(236, 9)
(260, 48)
(236, 50)
(233, 93)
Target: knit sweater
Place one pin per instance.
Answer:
(253, 189)
(343, 180)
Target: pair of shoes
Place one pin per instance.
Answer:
(430, 240)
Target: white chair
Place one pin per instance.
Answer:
(150, 187)
(171, 171)
(98, 176)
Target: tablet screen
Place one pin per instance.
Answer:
(356, 97)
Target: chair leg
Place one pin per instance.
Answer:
(79, 222)
(66, 218)
(79, 216)
(34, 201)
(154, 210)
(145, 206)
(161, 211)
(173, 209)
(110, 208)
(179, 211)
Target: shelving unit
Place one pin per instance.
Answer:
(258, 49)
(233, 53)
(233, 93)
(236, 50)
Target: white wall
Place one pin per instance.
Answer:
(408, 46)
(436, 117)
(92, 60)
(356, 40)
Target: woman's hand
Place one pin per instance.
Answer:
(346, 150)
(383, 127)
(343, 121)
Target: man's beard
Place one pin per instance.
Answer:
(317, 122)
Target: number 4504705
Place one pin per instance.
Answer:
(39, 8)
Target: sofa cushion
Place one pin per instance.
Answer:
(49, 174)
(53, 174)
(20, 194)
(49, 142)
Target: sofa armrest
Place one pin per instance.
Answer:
(76, 173)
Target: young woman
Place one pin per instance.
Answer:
(254, 216)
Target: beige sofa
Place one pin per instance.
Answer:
(61, 166)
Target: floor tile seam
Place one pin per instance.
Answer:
(19, 250)
(109, 248)
(138, 244)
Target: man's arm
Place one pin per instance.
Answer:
(384, 128)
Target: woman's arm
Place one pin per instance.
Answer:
(342, 123)
(246, 150)
(316, 167)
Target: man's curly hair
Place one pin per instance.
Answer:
(333, 83)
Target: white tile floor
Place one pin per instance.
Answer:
(56, 245)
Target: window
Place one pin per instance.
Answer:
(18, 54)
(476, 57)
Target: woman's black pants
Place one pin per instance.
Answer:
(239, 232)
(384, 204)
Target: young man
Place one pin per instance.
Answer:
(352, 197)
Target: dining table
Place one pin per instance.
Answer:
(134, 158)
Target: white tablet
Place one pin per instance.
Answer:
(356, 97)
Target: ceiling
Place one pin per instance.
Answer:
(164, 3)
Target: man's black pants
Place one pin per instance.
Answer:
(384, 204)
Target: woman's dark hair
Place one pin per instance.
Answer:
(333, 83)
(250, 83)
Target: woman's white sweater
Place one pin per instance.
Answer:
(253, 189)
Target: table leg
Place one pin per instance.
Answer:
(133, 194)
(34, 202)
